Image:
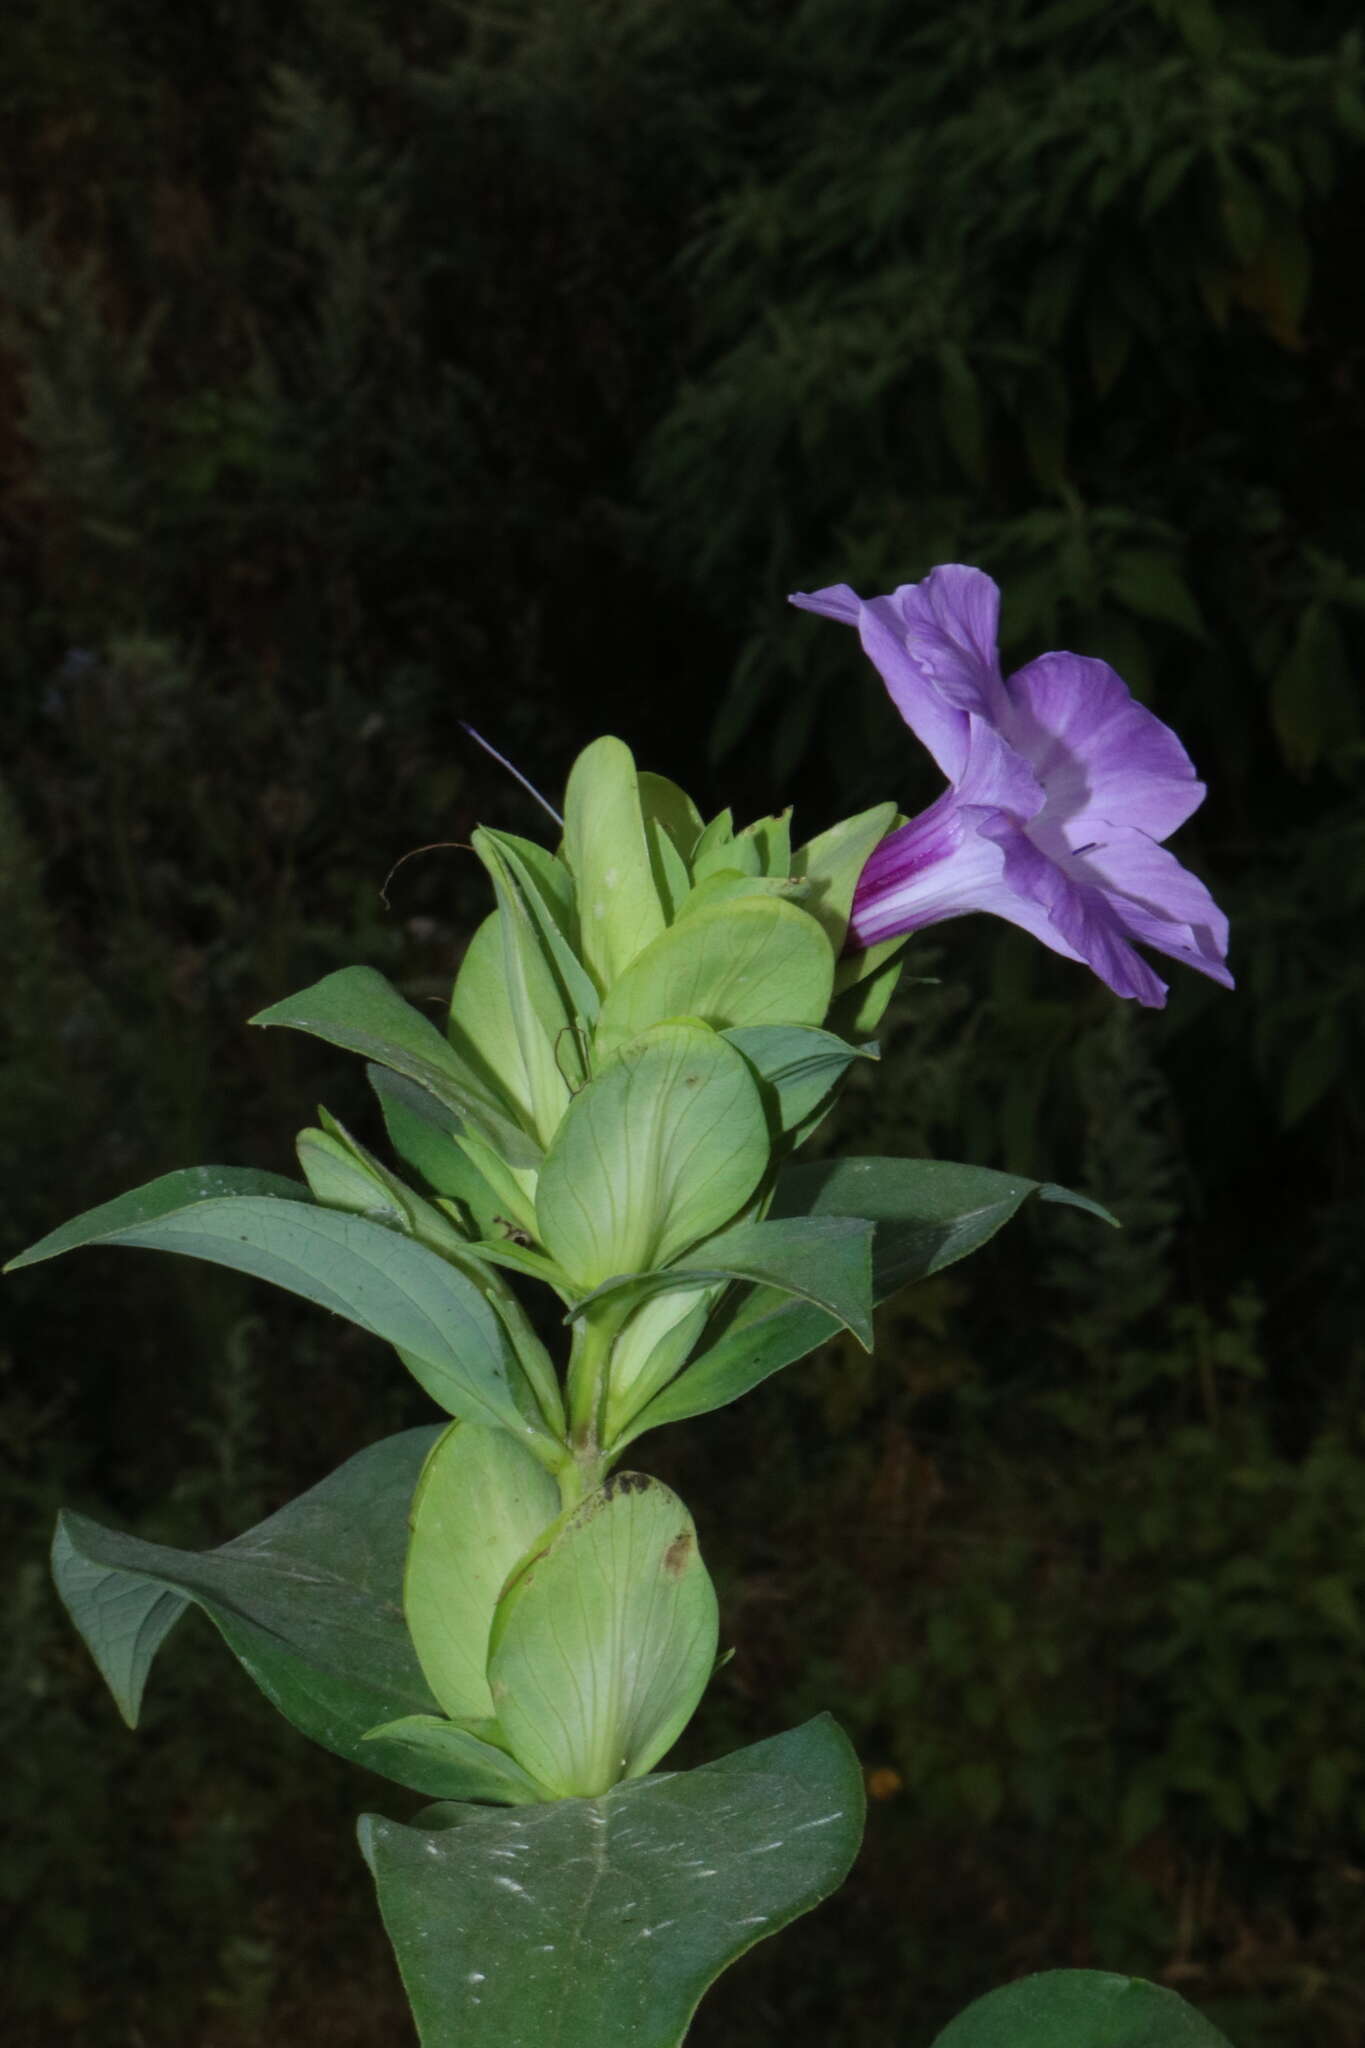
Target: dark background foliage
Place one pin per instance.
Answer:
(368, 368)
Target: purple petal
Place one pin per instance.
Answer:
(950, 625)
(1078, 913)
(940, 865)
(933, 644)
(836, 601)
(1104, 759)
(1161, 902)
(995, 775)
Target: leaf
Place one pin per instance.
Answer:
(171, 1191)
(929, 1213)
(672, 827)
(437, 1320)
(358, 1010)
(548, 892)
(446, 1762)
(729, 885)
(717, 849)
(608, 855)
(832, 863)
(340, 1176)
(862, 1001)
(822, 1259)
(772, 840)
(548, 1032)
(604, 1921)
(662, 1148)
(344, 1175)
(1083, 2008)
(309, 1601)
(422, 1132)
(796, 1066)
(654, 1344)
(480, 1505)
(603, 1643)
(664, 804)
(755, 961)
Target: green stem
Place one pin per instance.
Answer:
(595, 1333)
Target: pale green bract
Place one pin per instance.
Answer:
(604, 1641)
(664, 1145)
(480, 1504)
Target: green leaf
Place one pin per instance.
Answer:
(664, 804)
(662, 1148)
(547, 889)
(344, 1175)
(340, 1178)
(755, 961)
(822, 1259)
(480, 1505)
(422, 1132)
(729, 885)
(772, 840)
(718, 849)
(604, 1920)
(672, 828)
(832, 863)
(826, 1260)
(604, 1641)
(358, 1010)
(481, 1026)
(171, 1191)
(549, 1033)
(653, 1345)
(1084, 2009)
(446, 1762)
(864, 984)
(609, 857)
(929, 1213)
(436, 1318)
(309, 1601)
(796, 1066)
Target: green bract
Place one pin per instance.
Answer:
(604, 1640)
(664, 1146)
(749, 960)
(480, 1505)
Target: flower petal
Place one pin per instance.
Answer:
(933, 644)
(1078, 913)
(943, 864)
(1160, 901)
(1102, 757)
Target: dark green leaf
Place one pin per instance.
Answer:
(446, 1762)
(422, 1132)
(173, 1191)
(796, 1066)
(826, 1260)
(602, 1921)
(358, 1010)
(310, 1602)
(1083, 2009)
(929, 1213)
(439, 1322)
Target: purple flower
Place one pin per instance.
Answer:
(1061, 789)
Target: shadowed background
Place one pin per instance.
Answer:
(368, 367)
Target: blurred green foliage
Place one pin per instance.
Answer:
(365, 369)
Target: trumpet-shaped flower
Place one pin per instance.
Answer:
(1061, 790)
